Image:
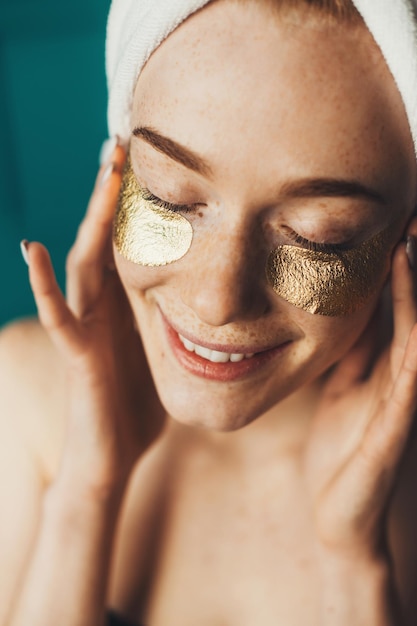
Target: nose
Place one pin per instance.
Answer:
(226, 282)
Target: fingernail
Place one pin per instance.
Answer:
(24, 250)
(107, 173)
(411, 251)
(107, 149)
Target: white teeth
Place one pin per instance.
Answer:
(219, 357)
(187, 344)
(204, 352)
(213, 355)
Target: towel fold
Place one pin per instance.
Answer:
(393, 24)
(137, 27)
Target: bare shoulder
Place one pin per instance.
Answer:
(31, 434)
(32, 390)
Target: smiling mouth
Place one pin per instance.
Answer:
(214, 356)
(212, 362)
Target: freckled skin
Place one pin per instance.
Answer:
(307, 101)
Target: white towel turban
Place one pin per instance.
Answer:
(137, 27)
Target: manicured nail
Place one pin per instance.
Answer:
(411, 249)
(107, 173)
(24, 250)
(107, 149)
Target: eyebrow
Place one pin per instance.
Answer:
(330, 188)
(304, 188)
(173, 150)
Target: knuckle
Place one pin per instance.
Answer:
(47, 294)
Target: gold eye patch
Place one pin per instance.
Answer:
(145, 233)
(330, 283)
(333, 283)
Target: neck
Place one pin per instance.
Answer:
(280, 433)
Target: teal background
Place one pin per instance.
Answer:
(52, 125)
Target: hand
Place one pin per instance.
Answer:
(113, 410)
(360, 431)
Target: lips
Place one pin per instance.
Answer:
(216, 362)
(214, 356)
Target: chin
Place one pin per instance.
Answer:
(216, 408)
(216, 418)
(215, 423)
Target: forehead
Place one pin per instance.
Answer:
(251, 90)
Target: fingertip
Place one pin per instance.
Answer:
(40, 268)
(119, 155)
(106, 174)
(112, 149)
(411, 250)
(37, 250)
(412, 227)
(24, 249)
(400, 262)
(111, 158)
(107, 149)
(31, 250)
(403, 284)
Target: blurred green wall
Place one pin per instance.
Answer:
(52, 124)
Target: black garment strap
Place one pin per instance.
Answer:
(114, 619)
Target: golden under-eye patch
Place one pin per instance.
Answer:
(330, 283)
(145, 233)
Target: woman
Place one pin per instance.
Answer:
(267, 478)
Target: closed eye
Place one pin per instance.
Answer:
(314, 245)
(163, 204)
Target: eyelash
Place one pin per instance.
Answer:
(163, 204)
(188, 208)
(314, 245)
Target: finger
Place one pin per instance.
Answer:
(387, 434)
(404, 305)
(54, 314)
(412, 227)
(370, 473)
(92, 252)
(100, 211)
(411, 249)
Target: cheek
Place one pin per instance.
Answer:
(326, 340)
(137, 279)
(330, 333)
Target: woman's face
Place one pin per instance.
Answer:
(273, 129)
